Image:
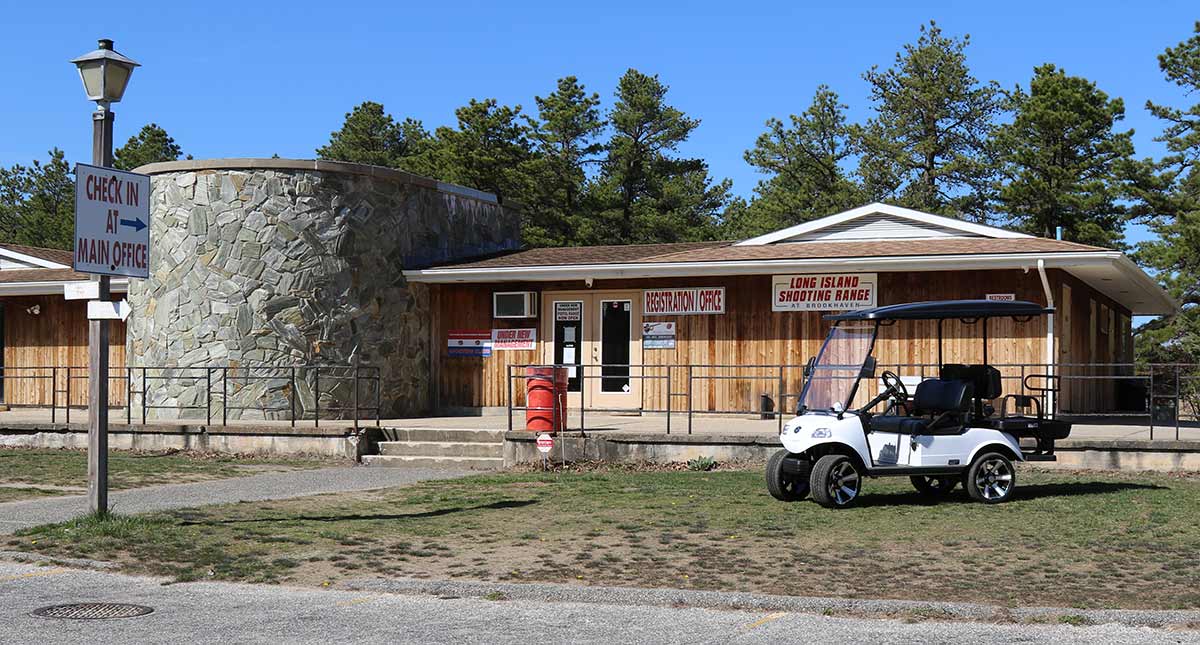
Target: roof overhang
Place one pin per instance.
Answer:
(1110, 272)
(53, 287)
(32, 260)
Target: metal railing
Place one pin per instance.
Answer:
(217, 390)
(1161, 394)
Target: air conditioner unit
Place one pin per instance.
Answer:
(514, 304)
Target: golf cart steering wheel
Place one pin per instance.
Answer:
(893, 384)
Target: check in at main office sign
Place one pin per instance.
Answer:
(824, 291)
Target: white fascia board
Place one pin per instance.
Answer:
(886, 209)
(755, 267)
(52, 287)
(1159, 302)
(31, 259)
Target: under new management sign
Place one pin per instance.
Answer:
(112, 218)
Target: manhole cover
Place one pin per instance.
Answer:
(93, 611)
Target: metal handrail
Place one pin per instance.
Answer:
(243, 375)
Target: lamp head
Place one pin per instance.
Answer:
(105, 73)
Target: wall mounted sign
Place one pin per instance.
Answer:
(568, 311)
(1002, 297)
(514, 339)
(658, 335)
(469, 342)
(823, 292)
(692, 300)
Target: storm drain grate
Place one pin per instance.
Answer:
(93, 611)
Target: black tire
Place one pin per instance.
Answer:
(934, 485)
(836, 481)
(788, 486)
(991, 478)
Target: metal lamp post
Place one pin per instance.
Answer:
(105, 73)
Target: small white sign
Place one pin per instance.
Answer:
(112, 222)
(82, 290)
(1002, 297)
(658, 335)
(568, 311)
(545, 443)
(106, 310)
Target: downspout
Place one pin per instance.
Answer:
(1051, 357)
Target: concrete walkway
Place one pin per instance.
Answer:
(209, 612)
(18, 515)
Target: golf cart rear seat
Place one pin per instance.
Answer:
(986, 380)
(946, 402)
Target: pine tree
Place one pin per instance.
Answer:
(566, 140)
(490, 149)
(804, 162)
(928, 145)
(1170, 201)
(1062, 161)
(371, 136)
(648, 194)
(150, 145)
(37, 203)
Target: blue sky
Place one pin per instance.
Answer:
(253, 79)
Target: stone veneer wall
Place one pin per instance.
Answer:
(280, 263)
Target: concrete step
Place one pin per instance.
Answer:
(445, 435)
(441, 449)
(396, 461)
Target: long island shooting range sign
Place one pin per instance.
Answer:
(112, 222)
(824, 292)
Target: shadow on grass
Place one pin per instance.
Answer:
(1031, 491)
(350, 518)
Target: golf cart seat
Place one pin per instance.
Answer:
(946, 402)
(1022, 425)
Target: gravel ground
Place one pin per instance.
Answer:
(221, 613)
(17, 515)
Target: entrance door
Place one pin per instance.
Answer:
(600, 333)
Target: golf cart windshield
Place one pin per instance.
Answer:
(837, 367)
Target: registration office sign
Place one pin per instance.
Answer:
(701, 300)
(112, 222)
(824, 291)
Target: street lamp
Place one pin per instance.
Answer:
(105, 73)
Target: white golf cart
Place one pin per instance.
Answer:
(949, 432)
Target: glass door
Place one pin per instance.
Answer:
(616, 349)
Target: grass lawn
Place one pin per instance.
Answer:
(28, 473)
(1068, 539)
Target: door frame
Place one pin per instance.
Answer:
(590, 346)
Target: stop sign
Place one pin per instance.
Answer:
(545, 443)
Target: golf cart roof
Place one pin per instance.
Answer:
(946, 309)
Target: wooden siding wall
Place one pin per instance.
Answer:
(1093, 329)
(749, 333)
(57, 336)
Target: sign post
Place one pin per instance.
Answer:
(112, 237)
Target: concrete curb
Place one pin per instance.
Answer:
(928, 610)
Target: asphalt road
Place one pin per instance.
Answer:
(298, 483)
(223, 613)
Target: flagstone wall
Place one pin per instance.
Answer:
(262, 265)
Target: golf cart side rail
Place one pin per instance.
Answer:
(946, 309)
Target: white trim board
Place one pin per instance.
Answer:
(35, 261)
(928, 220)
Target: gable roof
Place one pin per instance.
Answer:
(881, 221)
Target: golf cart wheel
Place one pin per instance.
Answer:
(991, 478)
(836, 481)
(787, 476)
(934, 485)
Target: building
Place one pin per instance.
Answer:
(41, 333)
(273, 281)
(715, 325)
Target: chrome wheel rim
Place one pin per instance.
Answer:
(994, 479)
(843, 483)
